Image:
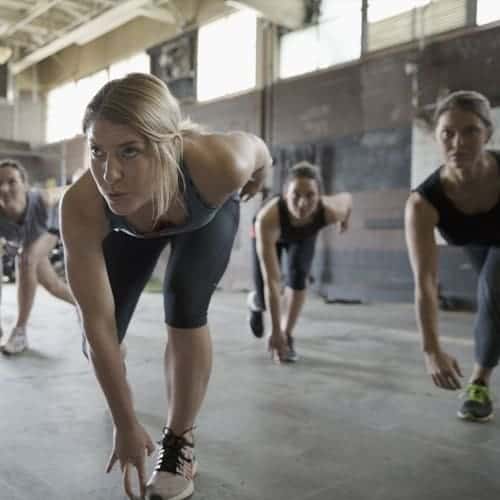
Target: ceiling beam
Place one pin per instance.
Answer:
(158, 14)
(111, 19)
(290, 14)
(15, 4)
(39, 9)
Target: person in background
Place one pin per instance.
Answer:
(289, 223)
(24, 214)
(461, 199)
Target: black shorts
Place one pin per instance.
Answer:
(298, 265)
(195, 266)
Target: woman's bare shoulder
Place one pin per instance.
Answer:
(268, 219)
(213, 163)
(83, 205)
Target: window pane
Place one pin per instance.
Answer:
(299, 52)
(487, 11)
(382, 9)
(340, 40)
(86, 88)
(226, 61)
(139, 63)
(335, 9)
(62, 121)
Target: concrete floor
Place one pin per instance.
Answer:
(357, 418)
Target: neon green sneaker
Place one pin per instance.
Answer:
(477, 406)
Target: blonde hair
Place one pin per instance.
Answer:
(143, 102)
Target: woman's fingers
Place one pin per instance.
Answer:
(457, 368)
(141, 474)
(446, 380)
(150, 447)
(127, 483)
(111, 462)
(454, 381)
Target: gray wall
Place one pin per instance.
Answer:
(356, 122)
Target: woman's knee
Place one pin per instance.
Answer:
(185, 307)
(297, 279)
(489, 287)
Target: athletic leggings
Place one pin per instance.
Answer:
(486, 261)
(298, 265)
(195, 266)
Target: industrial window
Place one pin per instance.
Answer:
(227, 56)
(487, 12)
(382, 9)
(66, 104)
(334, 40)
(139, 63)
(396, 22)
(61, 122)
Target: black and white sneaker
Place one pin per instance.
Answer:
(255, 316)
(175, 469)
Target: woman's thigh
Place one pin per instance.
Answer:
(196, 264)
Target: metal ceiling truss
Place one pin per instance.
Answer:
(32, 30)
(36, 29)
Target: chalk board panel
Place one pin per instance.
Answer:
(375, 160)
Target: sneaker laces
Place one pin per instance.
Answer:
(174, 454)
(477, 393)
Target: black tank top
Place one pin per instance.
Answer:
(199, 213)
(456, 227)
(291, 233)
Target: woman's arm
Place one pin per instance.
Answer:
(420, 221)
(267, 233)
(239, 161)
(83, 228)
(338, 208)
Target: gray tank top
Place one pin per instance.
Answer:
(199, 214)
(32, 225)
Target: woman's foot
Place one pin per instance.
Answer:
(255, 316)
(291, 355)
(175, 469)
(17, 342)
(477, 406)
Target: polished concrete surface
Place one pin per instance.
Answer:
(357, 418)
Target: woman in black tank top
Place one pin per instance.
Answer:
(289, 223)
(24, 228)
(462, 201)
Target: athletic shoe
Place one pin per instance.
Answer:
(291, 355)
(477, 406)
(17, 341)
(255, 317)
(172, 478)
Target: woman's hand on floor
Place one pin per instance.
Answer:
(130, 447)
(444, 370)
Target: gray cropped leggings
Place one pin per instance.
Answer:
(486, 261)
